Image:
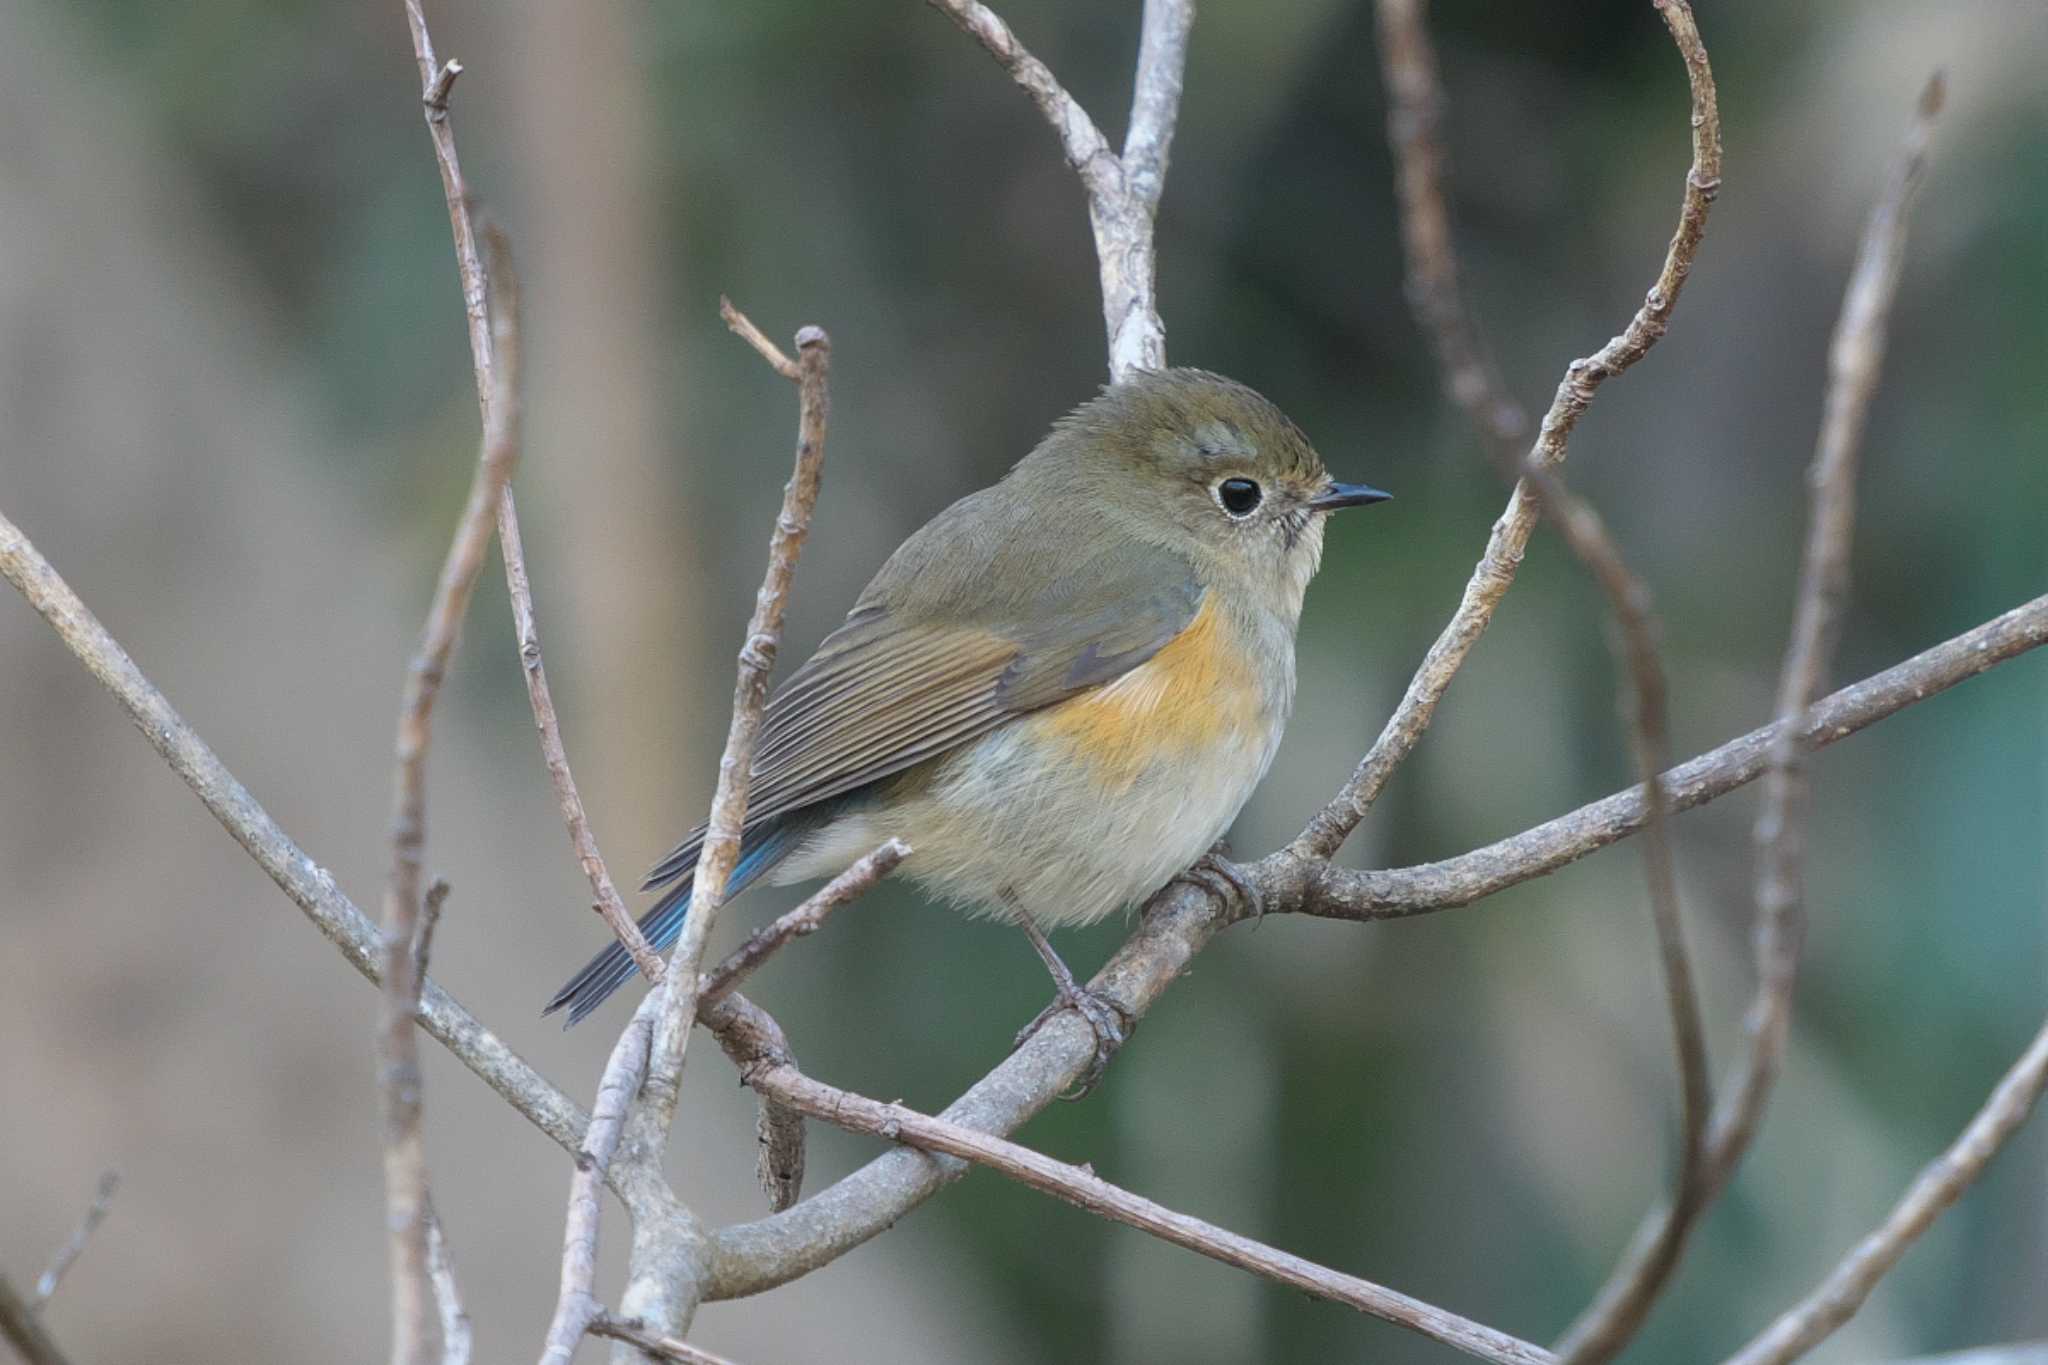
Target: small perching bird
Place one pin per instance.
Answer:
(1061, 690)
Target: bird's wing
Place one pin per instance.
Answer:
(894, 686)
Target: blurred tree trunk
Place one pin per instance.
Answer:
(607, 489)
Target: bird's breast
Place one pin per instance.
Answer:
(1213, 693)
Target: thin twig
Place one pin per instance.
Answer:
(849, 886)
(1835, 1300)
(22, 1328)
(721, 847)
(747, 1033)
(405, 1172)
(1473, 380)
(1155, 98)
(1428, 888)
(1415, 102)
(1087, 150)
(308, 885)
(1081, 1187)
(74, 1246)
(743, 327)
(576, 1304)
(1649, 730)
(1123, 192)
(1855, 361)
(435, 81)
(458, 1335)
(608, 904)
(653, 1343)
(1496, 569)
(652, 1291)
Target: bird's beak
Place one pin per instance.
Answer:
(1336, 495)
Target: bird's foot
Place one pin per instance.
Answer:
(1226, 881)
(1111, 1023)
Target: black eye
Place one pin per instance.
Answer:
(1238, 496)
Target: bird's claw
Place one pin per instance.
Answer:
(1111, 1023)
(1225, 881)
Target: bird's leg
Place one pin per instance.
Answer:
(1111, 1022)
(1225, 880)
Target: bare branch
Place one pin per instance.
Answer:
(1087, 150)
(653, 1343)
(1080, 1187)
(610, 906)
(1123, 193)
(1181, 920)
(653, 1293)
(1415, 102)
(1496, 570)
(743, 327)
(721, 848)
(458, 1337)
(405, 1171)
(74, 1246)
(1397, 893)
(306, 883)
(22, 1329)
(1473, 380)
(576, 1305)
(1155, 98)
(435, 81)
(850, 885)
(1939, 1185)
(1855, 360)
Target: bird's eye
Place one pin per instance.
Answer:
(1239, 497)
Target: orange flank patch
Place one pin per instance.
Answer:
(1195, 694)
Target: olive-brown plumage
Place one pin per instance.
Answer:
(1060, 690)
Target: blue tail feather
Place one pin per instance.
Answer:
(662, 924)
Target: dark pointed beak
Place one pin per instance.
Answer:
(1337, 495)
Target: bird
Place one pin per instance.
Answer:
(1060, 691)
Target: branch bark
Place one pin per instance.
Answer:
(23, 1329)
(1855, 361)
(414, 1318)
(1081, 1187)
(1938, 1186)
(1123, 192)
(849, 886)
(576, 1303)
(74, 1246)
(308, 885)
(653, 1343)
(662, 1289)
(1473, 380)
(1495, 572)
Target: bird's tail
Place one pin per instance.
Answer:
(760, 850)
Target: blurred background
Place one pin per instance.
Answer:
(238, 415)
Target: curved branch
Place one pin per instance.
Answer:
(1123, 192)
(1179, 922)
(1397, 893)
(1939, 1185)
(1855, 360)
(1087, 1191)
(1495, 573)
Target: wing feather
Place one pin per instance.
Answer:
(891, 688)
